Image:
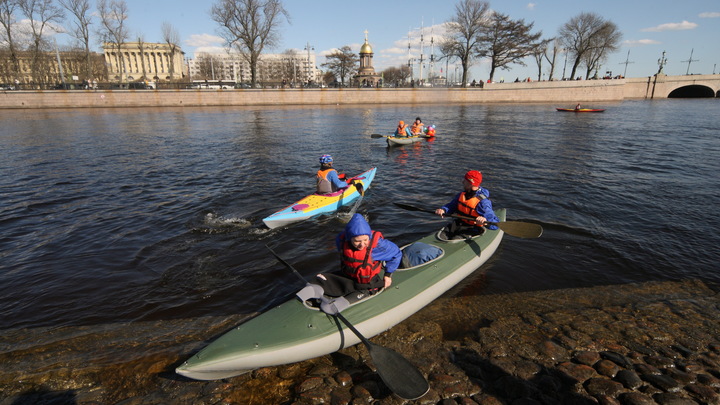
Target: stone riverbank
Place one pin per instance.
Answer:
(652, 343)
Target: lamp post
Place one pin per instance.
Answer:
(308, 48)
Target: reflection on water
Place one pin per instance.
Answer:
(128, 215)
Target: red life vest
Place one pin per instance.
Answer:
(467, 207)
(358, 264)
(323, 184)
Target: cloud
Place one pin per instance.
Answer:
(531, 6)
(685, 25)
(205, 40)
(641, 42)
(709, 15)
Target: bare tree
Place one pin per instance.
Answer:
(113, 14)
(506, 42)
(342, 63)
(9, 25)
(41, 15)
(288, 69)
(539, 53)
(396, 75)
(463, 32)
(80, 9)
(209, 67)
(589, 38)
(172, 39)
(249, 26)
(141, 47)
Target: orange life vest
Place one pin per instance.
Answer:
(323, 184)
(358, 264)
(416, 128)
(401, 130)
(466, 206)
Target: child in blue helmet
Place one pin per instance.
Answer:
(328, 180)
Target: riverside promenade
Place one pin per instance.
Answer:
(565, 93)
(634, 344)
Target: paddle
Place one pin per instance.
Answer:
(360, 190)
(401, 376)
(514, 228)
(378, 136)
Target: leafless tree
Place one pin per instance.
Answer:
(250, 26)
(9, 26)
(209, 67)
(539, 53)
(113, 14)
(396, 75)
(141, 47)
(589, 38)
(41, 15)
(506, 42)
(342, 63)
(172, 39)
(80, 30)
(289, 66)
(463, 33)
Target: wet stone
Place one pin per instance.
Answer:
(636, 398)
(553, 351)
(629, 379)
(681, 376)
(466, 401)
(659, 361)
(511, 387)
(321, 370)
(646, 369)
(343, 378)
(527, 369)
(607, 368)
(340, 396)
(690, 367)
(579, 373)
(703, 393)
(663, 382)
(309, 384)
(607, 400)
(617, 358)
(603, 386)
(673, 399)
(487, 399)
(587, 357)
(709, 380)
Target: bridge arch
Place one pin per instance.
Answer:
(693, 91)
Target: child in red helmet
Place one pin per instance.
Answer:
(473, 201)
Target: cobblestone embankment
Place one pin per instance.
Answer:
(653, 343)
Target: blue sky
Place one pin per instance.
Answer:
(649, 27)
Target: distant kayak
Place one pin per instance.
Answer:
(399, 140)
(316, 204)
(580, 109)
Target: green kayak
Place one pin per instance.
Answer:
(293, 332)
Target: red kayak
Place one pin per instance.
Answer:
(580, 109)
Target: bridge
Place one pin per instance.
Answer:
(663, 86)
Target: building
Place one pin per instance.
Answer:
(144, 61)
(290, 68)
(366, 76)
(74, 69)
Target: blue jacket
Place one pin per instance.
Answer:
(484, 208)
(385, 251)
(333, 178)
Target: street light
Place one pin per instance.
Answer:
(308, 48)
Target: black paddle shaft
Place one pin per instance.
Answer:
(401, 376)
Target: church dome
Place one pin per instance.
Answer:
(366, 48)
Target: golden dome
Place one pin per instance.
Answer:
(366, 48)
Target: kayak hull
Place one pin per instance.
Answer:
(596, 110)
(291, 332)
(317, 204)
(396, 141)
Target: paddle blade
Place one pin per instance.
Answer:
(520, 229)
(377, 136)
(401, 376)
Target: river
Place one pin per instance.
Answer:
(125, 216)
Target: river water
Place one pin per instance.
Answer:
(116, 216)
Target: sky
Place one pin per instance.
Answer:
(687, 31)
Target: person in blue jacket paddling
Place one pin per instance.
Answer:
(367, 262)
(328, 180)
(473, 201)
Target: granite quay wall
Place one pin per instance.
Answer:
(561, 92)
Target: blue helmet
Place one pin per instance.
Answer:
(324, 159)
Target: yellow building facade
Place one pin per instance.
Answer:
(144, 61)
